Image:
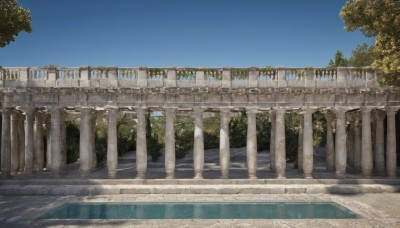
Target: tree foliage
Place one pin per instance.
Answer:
(379, 19)
(339, 61)
(13, 19)
(363, 55)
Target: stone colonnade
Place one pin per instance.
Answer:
(361, 147)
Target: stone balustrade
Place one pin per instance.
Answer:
(127, 77)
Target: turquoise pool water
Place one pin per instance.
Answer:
(245, 210)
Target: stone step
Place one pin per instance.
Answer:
(383, 181)
(100, 189)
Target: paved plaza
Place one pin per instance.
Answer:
(376, 210)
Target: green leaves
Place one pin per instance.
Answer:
(379, 19)
(13, 20)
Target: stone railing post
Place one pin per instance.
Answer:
(171, 77)
(200, 77)
(142, 77)
(112, 77)
(253, 75)
(370, 77)
(84, 76)
(309, 77)
(281, 77)
(51, 77)
(341, 80)
(23, 76)
(226, 77)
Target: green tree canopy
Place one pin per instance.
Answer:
(13, 19)
(363, 55)
(339, 60)
(379, 19)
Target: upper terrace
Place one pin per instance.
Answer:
(131, 77)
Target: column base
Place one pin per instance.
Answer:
(140, 176)
(170, 176)
(339, 175)
(391, 174)
(198, 175)
(252, 176)
(280, 176)
(308, 176)
(224, 177)
(367, 174)
(84, 174)
(112, 175)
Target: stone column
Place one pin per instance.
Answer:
(38, 143)
(55, 167)
(141, 144)
(330, 146)
(48, 146)
(112, 143)
(251, 146)
(92, 141)
(29, 114)
(357, 145)
(340, 143)
(391, 163)
(300, 143)
(84, 147)
(198, 147)
(308, 144)
(14, 143)
(380, 142)
(366, 156)
(272, 142)
(63, 142)
(170, 143)
(224, 144)
(6, 143)
(280, 144)
(21, 143)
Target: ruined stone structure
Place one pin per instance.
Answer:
(37, 101)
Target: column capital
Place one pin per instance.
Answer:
(141, 110)
(6, 111)
(300, 116)
(170, 109)
(63, 115)
(27, 110)
(110, 107)
(391, 110)
(85, 109)
(279, 110)
(339, 110)
(251, 110)
(55, 109)
(365, 109)
(199, 109)
(379, 115)
(307, 110)
(225, 109)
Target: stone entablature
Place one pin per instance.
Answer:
(227, 77)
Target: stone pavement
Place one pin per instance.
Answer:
(376, 210)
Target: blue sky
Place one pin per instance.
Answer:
(210, 33)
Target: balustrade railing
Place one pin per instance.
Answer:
(213, 77)
(186, 77)
(125, 77)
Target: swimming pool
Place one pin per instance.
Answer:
(201, 210)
